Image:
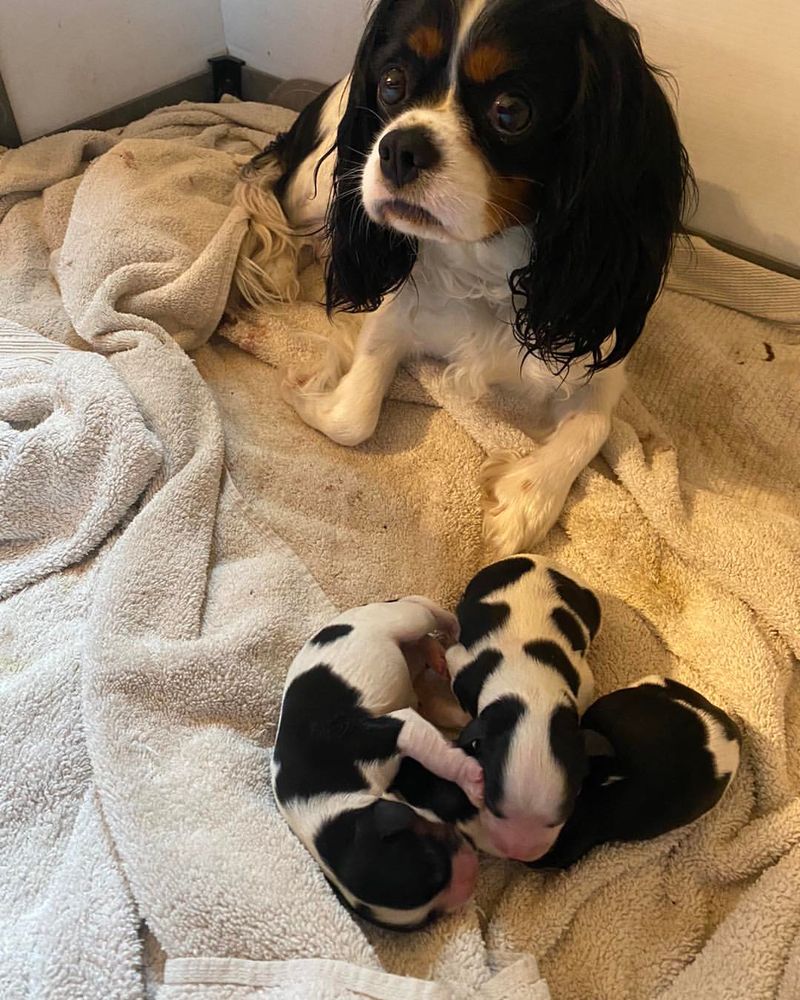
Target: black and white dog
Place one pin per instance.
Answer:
(499, 182)
(520, 671)
(346, 721)
(661, 755)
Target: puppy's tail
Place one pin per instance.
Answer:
(266, 270)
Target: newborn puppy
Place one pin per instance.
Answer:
(662, 756)
(520, 671)
(346, 721)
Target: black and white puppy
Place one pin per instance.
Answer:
(500, 182)
(661, 756)
(346, 721)
(520, 671)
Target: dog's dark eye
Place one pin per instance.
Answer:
(510, 114)
(475, 746)
(393, 85)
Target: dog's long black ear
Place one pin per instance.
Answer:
(609, 209)
(366, 261)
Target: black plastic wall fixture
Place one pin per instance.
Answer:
(226, 72)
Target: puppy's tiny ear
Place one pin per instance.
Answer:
(470, 738)
(596, 744)
(567, 747)
(392, 817)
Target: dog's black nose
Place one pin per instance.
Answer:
(405, 153)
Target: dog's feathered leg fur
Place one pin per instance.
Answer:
(266, 270)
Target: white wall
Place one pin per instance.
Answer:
(63, 60)
(310, 38)
(737, 63)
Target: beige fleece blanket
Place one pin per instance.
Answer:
(142, 684)
(688, 523)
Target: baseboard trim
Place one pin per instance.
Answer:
(753, 256)
(293, 94)
(193, 88)
(258, 86)
(9, 133)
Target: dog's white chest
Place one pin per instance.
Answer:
(459, 308)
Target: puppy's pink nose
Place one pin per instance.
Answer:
(528, 853)
(519, 839)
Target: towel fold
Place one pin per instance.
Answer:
(75, 454)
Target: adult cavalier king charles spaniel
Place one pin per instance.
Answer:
(498, 184)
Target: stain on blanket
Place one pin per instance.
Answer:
(128, 159)
(769, 354)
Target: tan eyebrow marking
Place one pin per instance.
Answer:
(426, 41)
(486, 62)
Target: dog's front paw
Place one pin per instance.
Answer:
(308, 380)
(522, 501)
(325, 412)
(312, 407)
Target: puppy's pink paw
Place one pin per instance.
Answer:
(471, 781)
(449, 627)
(434, 654)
